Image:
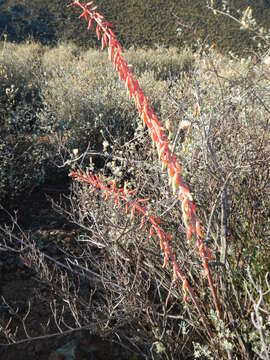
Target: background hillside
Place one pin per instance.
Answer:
(137, 22)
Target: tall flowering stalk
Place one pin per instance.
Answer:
(109, 190)
(168, 160)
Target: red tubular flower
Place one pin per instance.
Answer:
(132, 212)
(175, 271)
(90, 22)
(184, 298)
(84, 15)
(189, 232)
(98, 32)
(170, 173)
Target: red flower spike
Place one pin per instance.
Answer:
(155, 131)
(126, 208)
(96, 184)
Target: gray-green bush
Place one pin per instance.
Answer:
(54, 100)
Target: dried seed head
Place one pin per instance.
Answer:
(185, 125)
(168, 125)
(75, 152)
(196, 110)
(105, 145)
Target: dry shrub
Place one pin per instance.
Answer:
(224, 158)
(24, 153)
(94, 93)
(166, 63)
